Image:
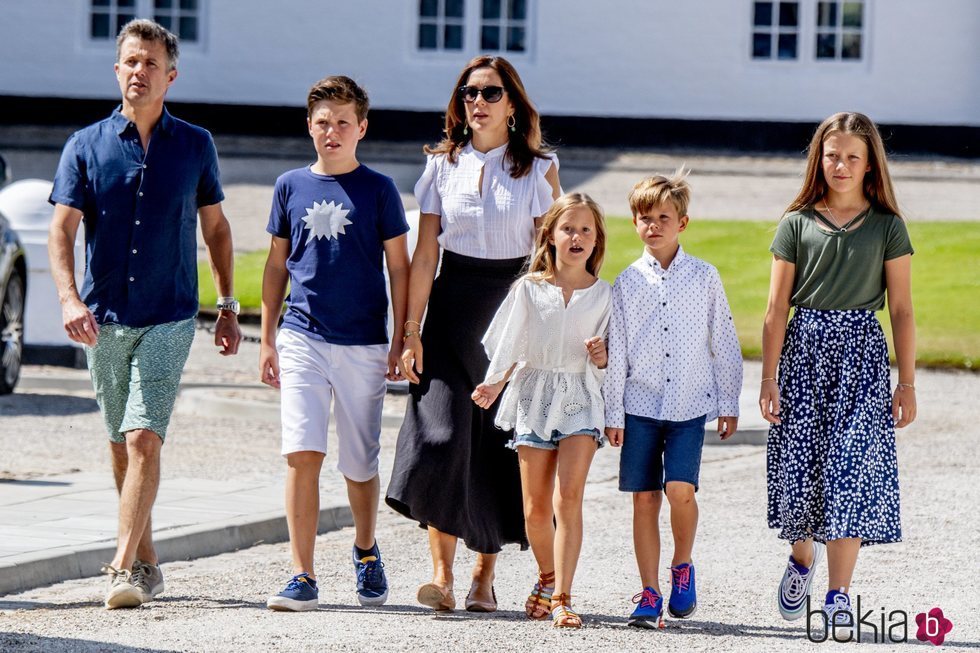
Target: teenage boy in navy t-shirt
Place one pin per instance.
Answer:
(331, 222)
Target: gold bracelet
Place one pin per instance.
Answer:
(769, 378)
(905, 385)
(418, 324)
(409, 334)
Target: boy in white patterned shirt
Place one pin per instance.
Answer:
(674, 362)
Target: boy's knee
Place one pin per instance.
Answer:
(647, 501)
(680, 493)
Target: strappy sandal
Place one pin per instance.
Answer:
(562, 615)
(538, 605)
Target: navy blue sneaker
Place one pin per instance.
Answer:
(372, 586)
(797, 585)
(300, 595)
(840, 617)
(683, 594)
(649, 612)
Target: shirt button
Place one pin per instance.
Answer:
(134, 251)
(132, 279)
(137, 222)
(144, 166)
(141, 193)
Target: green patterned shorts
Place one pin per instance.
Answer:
(136, 372)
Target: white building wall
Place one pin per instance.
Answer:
(636, 58)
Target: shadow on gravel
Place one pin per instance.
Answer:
(27, 404)
(29, 642)
(24, 481)
(205, 603)
(45, 605)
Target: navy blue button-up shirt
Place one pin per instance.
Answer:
(140, 215)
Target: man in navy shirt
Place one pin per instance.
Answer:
(138, 180)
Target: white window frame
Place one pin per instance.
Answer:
(839, 31)
(144, 9)
(807, 32)
(774, 30)
(504, 23)
(472, 23)
(441, 21)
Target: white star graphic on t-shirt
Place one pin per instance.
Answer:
(326, 220)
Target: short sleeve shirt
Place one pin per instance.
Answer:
(840, 271)
(140, 214)
(336, 226)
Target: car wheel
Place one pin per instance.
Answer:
(11, 333)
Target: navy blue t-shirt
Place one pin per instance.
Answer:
(337, 225)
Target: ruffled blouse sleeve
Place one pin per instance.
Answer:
(427, 187)
(542, 196)
(506, 340)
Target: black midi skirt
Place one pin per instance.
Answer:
(452, 468)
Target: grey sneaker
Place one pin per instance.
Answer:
(148, 578)
(122, 592)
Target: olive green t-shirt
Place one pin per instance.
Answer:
(840, 271)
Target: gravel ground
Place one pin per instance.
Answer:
(217, 604)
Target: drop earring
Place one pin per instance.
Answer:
(466, 130)
(512, 123)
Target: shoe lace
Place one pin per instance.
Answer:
(795, 588)
(115, 573)
(369, 572)
(647, 598)
(140, 572)
(839, 610)
(297, 582)
(681, 578)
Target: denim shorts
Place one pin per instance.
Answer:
(533, 440)
(656, 452)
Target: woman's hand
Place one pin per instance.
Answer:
(769, 401)
(903, 405)
(411, 358)
(596, 347)
(485, 394)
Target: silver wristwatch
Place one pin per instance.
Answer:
(228, 304)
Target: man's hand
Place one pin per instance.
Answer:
(80, 324)
(727, 425)
(269, 365)
(394, 372)
(227, 335)
(615, 436)
(485, 394)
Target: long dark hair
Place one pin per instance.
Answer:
(524, 145)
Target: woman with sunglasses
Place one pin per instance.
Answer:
(484, 188)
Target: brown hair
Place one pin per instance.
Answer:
(338, 88)
(525, 143)
(877, 182)
(543, 260)
(653, 191)
(148, 30)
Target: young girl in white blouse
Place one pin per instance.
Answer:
(548, 340)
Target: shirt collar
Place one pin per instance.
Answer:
(483, 156)
(121, 123)
(655, 264)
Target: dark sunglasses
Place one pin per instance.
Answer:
(490, 94)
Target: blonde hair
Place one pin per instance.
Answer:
(878, 187)
(653, 191)
(543, 262)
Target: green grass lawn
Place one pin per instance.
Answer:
(945, 280)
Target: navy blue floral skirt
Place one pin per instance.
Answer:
(832, 469)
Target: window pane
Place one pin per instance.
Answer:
(122, 19)
(762, 16)
(850, 46)
(188, 28)
(166, 20)
(126, 4)
(491, 8)
(490, 38)
(853, 14)
(826, 14)
(787, 46)
(826, 46)
(454, 8)
(454, 37)
(100, 3)
(100, 26)
(515, 39)
(788, 14)
(162, 4)
(428, 8)
(517, 9)
(761, 46)
(188, 5)
(427, 37)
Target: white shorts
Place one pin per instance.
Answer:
(312, 373)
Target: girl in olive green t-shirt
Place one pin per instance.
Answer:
(832, 471)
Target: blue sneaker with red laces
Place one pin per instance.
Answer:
(649, 611)
(683, 595)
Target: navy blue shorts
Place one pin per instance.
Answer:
(656, 452)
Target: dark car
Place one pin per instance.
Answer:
(13, 290)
